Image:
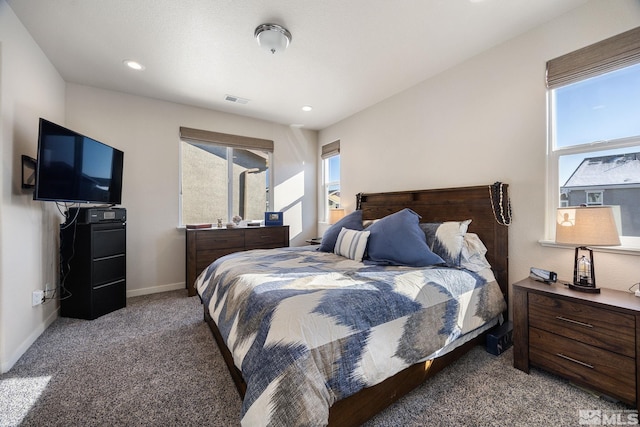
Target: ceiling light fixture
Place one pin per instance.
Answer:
(307, 108)
(134, 65)
(272, 37)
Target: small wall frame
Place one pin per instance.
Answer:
(28, 172)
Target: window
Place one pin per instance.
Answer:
(594, 138)
(594, 198)
(223, 176)
(331, 177)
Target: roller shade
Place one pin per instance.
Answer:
(228, 140)
(331, 149)
(607, 55)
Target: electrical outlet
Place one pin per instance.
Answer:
(37, 298)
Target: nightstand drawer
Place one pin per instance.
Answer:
(587, 365)
(599, 327)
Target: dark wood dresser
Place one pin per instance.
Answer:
(206, 245)
(590, 339)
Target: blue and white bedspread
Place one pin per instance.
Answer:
(308, 328)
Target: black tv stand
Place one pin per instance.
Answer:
(93, 267)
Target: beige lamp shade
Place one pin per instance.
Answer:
(335, 215)
(586, 226)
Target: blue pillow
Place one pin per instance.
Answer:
(397, 239)
(353, 221)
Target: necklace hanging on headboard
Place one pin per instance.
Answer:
(500, 203)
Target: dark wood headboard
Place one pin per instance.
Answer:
(450, 204)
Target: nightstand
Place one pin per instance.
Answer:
(590, 339)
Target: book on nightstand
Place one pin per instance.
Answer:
(196, 226)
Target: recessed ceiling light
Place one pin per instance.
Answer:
(307, 108)
(134, 65)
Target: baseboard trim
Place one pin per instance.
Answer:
(155, 289)
(33, 336)
(6, 365)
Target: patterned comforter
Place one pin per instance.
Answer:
(308, 328)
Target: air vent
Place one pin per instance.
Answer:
(235, 99)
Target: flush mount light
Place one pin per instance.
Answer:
(134, 65)
(307, 108)
(272, 37)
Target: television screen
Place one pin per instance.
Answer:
(74, 168)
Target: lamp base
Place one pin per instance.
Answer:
(589, 289)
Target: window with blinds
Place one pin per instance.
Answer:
(594, 132)
(223, 176)
(331, 177)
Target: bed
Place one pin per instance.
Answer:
(324, 354)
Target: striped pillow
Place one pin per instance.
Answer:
(351, 244)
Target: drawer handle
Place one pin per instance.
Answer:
(109, 284)
(571, 359)
(586, 325)
(109, 257)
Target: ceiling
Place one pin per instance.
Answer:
(345, 55)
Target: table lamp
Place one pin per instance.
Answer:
(586, 226)
(335, 215)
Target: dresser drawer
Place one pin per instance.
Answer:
(265, 237)
(595, 326)
(204, 258)
(219, 239)
(610, 373)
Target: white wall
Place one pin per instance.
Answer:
(477, 123)
(480, 122)
(147, 130)
(29, 88)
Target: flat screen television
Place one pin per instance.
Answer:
(71, 167)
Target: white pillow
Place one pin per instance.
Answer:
(351, 244)
(473, 253)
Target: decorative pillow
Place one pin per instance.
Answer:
(473, 253)
(351, 244)
(353, 221)
(398, 240)
(446, 239)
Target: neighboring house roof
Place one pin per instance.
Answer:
(619, 169)
(334, 197)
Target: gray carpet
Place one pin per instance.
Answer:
(155, 363)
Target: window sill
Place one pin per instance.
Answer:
(627, 250)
